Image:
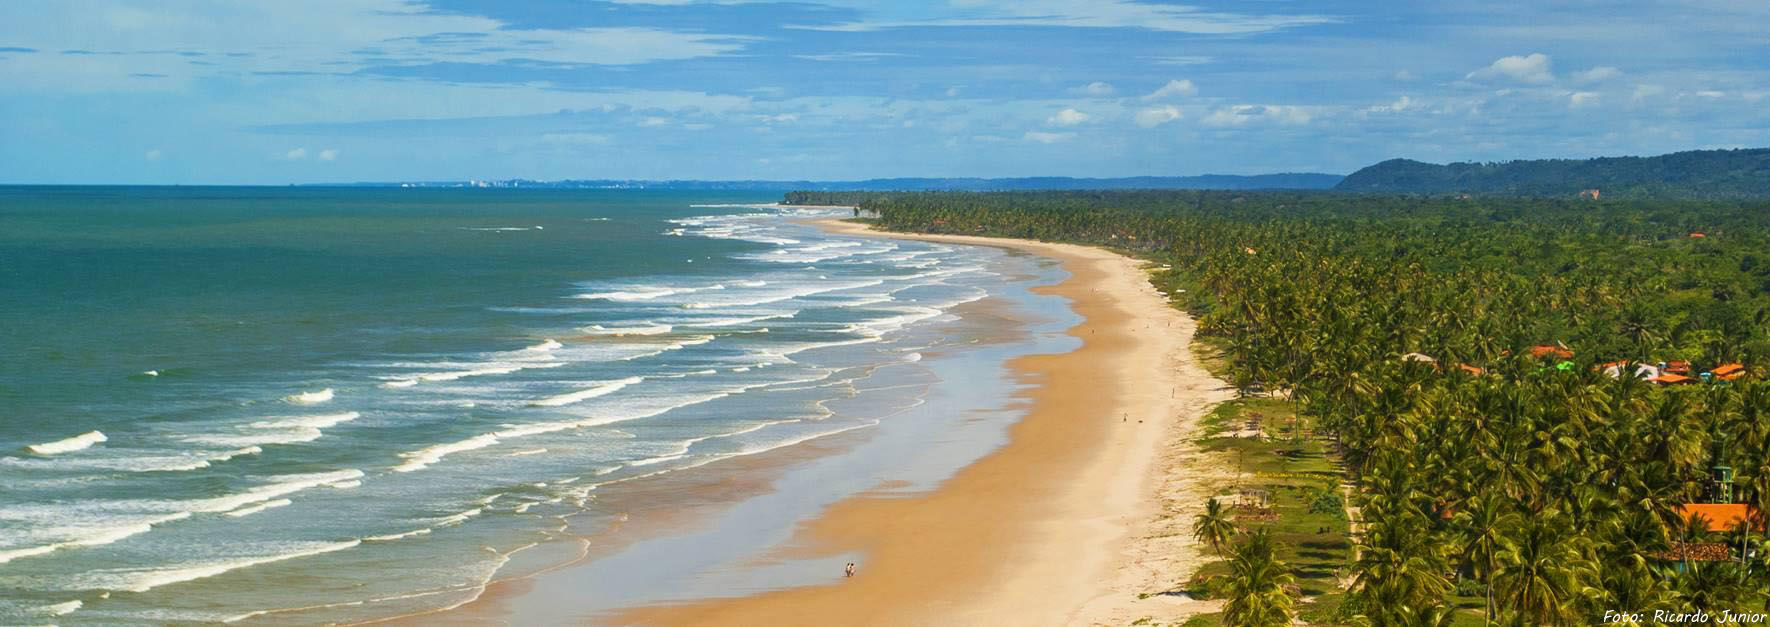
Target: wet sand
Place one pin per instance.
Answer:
(666, 527)
(1083, 510)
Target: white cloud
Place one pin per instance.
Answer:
(1068, 117)
(573, 138)
(1183, 60)
(1157, 116)
(154, 155)
(295, 154)
(1096, 88)
(1241, 115)
(1600, 73)
(779, 118)
(1532, 68)
(1048, 138)
(1182, 87)
(1404, 75)
(1581, 98)
(953, 92)
(329, 154)
(1712, 94)
(1401, 104)
(849, 56)
(141, 44)
(1091, 14)
(1645, 91)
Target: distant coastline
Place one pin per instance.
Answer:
(1302, 180)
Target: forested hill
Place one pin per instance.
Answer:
(1697, 174)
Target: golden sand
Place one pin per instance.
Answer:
(1080, 514)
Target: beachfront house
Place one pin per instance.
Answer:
(1720, 515)
(1644, 372)
(1728, 372)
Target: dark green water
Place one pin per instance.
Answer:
(210, 395)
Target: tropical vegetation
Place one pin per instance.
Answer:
(1696, 174)
(1403, 329)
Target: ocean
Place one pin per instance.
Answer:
(315, 405)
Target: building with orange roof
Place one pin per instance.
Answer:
(1697, 236)
(1723, 517)
(1672, 379)
(1678, 367)
(1728, 372)
(1557, 352)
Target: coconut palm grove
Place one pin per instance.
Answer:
(1538, 410)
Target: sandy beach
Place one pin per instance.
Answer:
(1080, 514)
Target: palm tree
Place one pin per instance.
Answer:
(1258, 582)
(1542, 571)
(1213, 527)
(1484, 523)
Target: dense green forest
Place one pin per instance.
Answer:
(1698, 174)
(1539, 484)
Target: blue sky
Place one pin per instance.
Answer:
(224, 91)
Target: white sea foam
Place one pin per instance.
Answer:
(656, 460)
(458, 518)
(254, 438)
(310, 398)
(280, 485)
(533, 451)
(398, 536)
(68, 445)
(481, 372)
(630, 295)
(345, 485)
(88, 534)
(677, 345)
(781, 295)
(59, 609)
(421, 458)
(132, 462)
(910, 315)
(602, 389)
(253, 509)
(543, 347)
(727, 322)
(144, 579)
(314, 422)
(648, 329)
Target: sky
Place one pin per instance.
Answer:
(274, 91)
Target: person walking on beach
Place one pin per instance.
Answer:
(850, 570)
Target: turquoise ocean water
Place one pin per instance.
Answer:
(224, 403)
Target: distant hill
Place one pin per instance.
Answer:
(1699, 174)
(1208, 181)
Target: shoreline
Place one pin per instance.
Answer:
(1078, 519)
(691, 501)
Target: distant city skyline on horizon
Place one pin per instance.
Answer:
(340, 91)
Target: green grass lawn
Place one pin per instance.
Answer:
(1291, 470)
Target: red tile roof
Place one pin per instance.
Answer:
(1540, 352)
(1672, 379)
(1729, 372)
